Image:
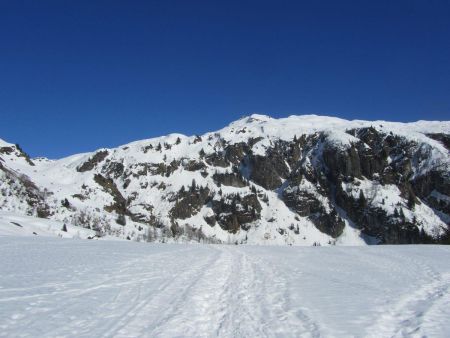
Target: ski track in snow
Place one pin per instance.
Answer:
(68, 288)
(417, 313)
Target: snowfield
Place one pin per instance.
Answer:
(55, 287)
(12, 224)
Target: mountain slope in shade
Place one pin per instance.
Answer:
(300, 180)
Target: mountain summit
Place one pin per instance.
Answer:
(300, 180)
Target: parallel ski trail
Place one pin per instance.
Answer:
(281, 317)
(417, 314)
(125, 281)
(407, 317)
(78, 289)
(242, 319)
(197, 310)
(136, 321)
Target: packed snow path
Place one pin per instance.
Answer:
(59, 287)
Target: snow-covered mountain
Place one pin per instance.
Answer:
(301, 180)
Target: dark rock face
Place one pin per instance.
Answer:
(189, 203)
(434, 180)
(372, 151)
(145, 169)
(369, 157)
(305, 203)
(230, 179)
(211, 220)
(108, 185)
(302, 202)
(375, 222)
(443, 138)
(434, 189)
(217, 160)
(163, 169)
(329, 223)
(382, 158)
(194, 165)
(342, 163)
(236, 152)
(93, 161)
(6, 150)
(234, 212)
(113, 169)
(267, 171)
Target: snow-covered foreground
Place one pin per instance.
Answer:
(59, 287)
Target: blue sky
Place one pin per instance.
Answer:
(79, 75)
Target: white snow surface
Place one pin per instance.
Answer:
(53, 287)
(12, 224)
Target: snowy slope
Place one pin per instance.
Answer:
(269, 161)
(58, 287)
(12, 224)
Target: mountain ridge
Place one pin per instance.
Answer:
(298, 180)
